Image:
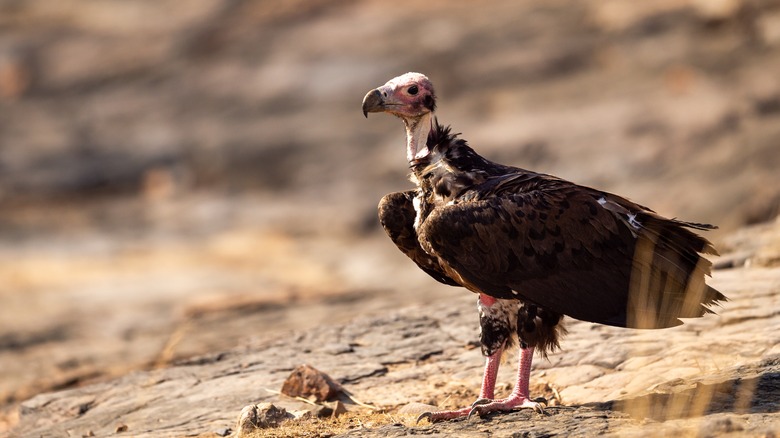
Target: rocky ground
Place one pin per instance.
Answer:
(718, 375)
(180, 182)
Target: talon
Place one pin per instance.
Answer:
(538, 408)
(428, 415)
(474, 409)
(481, 401)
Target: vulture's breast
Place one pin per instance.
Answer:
(440, 183)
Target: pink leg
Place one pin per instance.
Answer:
(485, 405)
(491, 372)
(492, 362)
(486, 393)
(520, 395)
(488, 379)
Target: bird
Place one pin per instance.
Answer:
(533, 247)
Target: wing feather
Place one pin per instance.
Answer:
(571, 249)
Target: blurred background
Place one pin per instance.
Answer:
(180, 177)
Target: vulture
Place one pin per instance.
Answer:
(533, 247)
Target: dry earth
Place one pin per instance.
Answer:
(718, 375)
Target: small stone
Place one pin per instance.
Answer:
(262, 416)
(415, 408)
(301, 414)
(225, 431)
(120, 428)
(310, 383)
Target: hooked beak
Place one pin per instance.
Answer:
(373, 102)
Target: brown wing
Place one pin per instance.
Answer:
(570, 249)
(397, 215)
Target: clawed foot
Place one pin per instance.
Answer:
(484, 406)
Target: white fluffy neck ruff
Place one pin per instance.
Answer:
(417, 130)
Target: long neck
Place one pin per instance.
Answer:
(417, 130)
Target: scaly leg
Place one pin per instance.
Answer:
(486, 393)
(489, 376)
(485, 404)
(493, 339)
(520, 395)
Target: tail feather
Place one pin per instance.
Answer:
(668, 276)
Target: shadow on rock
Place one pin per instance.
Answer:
(755, 394)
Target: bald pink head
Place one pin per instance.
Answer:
(407, 96)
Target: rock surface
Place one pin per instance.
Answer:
(717, 375)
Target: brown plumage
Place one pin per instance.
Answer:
(533, 246)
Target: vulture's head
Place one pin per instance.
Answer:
(408, 96)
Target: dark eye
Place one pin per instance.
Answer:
(412, 90)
